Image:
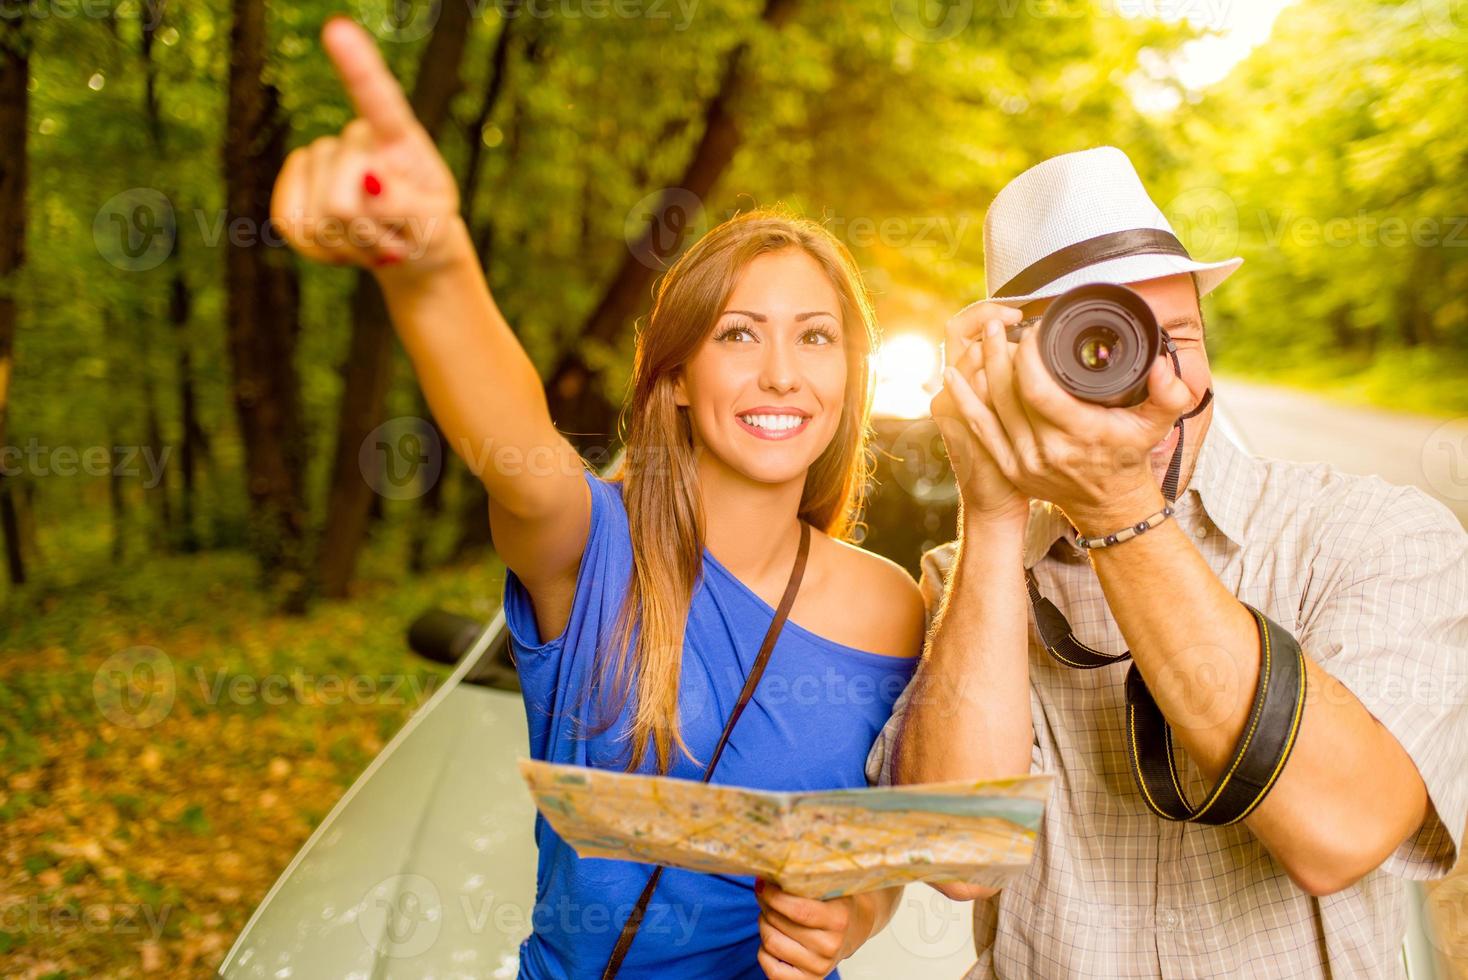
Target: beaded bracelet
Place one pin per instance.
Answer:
(1126, 533)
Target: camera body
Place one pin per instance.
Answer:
(1098, 342)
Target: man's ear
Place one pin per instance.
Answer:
(680, 390)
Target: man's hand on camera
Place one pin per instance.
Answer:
(988, 497)
(1090, 461)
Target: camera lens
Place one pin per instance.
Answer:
(1096, 348)
(1098, 341)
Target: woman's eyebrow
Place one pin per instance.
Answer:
(761, 318)
(1182, 323)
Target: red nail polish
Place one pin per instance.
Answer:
(383, 260)
(371, 184)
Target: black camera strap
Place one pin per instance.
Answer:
(756, 670)
(1269, 732)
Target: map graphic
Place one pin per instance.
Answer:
(819, 844)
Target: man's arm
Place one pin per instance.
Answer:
(966, 712)
(974, 675)
(1350, 794)
(968, 709)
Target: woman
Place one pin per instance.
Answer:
(636, 607)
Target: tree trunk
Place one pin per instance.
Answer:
(14, 125)
(494, 87)
(263, 316)
(367, 371)
(191, 431)
(430, 505)
(118, 505)
(474, 534)
(180, 300)
(577, 405)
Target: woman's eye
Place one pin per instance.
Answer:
(818, 336)
(738, 334)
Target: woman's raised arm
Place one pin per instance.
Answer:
(381, 196)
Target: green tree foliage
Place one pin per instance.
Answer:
(895, 129)
(1334, 160)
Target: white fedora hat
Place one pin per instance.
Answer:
(1082, 218)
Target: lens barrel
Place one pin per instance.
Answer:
(1099, 341)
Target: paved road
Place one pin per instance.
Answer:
(1427, 451)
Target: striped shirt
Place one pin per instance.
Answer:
(1372, 579)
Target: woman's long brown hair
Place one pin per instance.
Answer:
(660, 476)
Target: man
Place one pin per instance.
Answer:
(1370, 579)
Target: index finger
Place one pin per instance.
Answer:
(375, 93)
(967, 325)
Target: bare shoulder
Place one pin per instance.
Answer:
(872, 603)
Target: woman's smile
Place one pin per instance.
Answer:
(766, 422)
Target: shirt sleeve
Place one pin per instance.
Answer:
(603, 537)
(1393, 629)
(935, 566)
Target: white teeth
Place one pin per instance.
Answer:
(775, 423)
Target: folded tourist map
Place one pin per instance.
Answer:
(817, 844)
